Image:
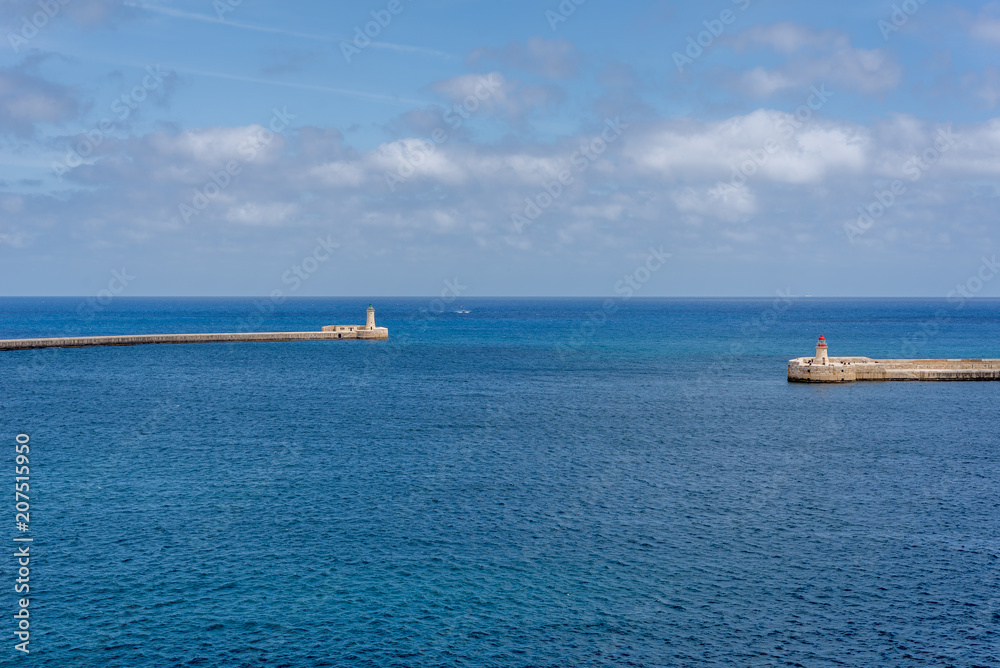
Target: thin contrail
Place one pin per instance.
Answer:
(292, 84)
(204, 18)
(191, 16)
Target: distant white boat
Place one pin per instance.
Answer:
(461, 310)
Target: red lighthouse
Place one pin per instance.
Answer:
(821, 356)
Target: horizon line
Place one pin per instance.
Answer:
(458, 299)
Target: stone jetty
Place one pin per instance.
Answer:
(367, 331)
(822, 368)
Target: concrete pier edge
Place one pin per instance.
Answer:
(851, 369)
(368, 331)
(147, 339)
(822, 368)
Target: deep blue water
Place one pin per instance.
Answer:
(535, 483)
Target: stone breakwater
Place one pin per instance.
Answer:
(850, 369)
(145, 339)
(366, 331)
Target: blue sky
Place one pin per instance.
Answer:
(523, 148)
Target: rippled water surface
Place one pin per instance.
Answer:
(534, 483)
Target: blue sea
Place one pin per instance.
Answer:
(538, 482)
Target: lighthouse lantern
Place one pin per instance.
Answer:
(821, 354)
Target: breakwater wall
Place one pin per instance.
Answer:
(850, 369)
(146, 339)
(329, 333)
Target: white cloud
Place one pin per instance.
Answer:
(777, 146)
(864, 70)
(761, 82)
(815, 57)
(491, 92)
(785, 37)
(341, 174)
(213, 147)
(254, 213)
(728, 203)
(423, 158)
(989, 88)
(552, 58)
(986, 26)
(663, 180)
(27, 100)
(15, 239)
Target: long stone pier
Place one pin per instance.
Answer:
(824, 369)
(849, 369)
(144, 339)
(368, 331)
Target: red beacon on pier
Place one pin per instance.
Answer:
(821, 355)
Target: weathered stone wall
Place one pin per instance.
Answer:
(329, 333)
(357, 332)
(145, 339)
(802, 370)
(848, 369)
(373, 334)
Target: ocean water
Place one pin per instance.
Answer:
(534, 483)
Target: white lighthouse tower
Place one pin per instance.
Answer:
(367, 331)
(821, 356)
